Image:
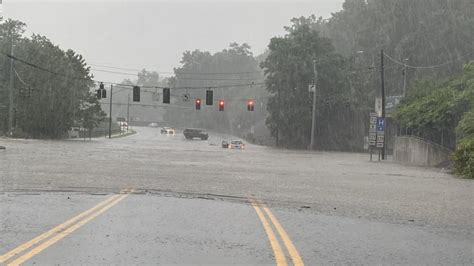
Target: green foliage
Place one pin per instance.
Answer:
(90, 113)
(45, 104)
(466, 125)
(434, 112)
(289, 70)
(463, 157)
(420, 89)
(425, 32)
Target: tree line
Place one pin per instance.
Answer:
(51, 89)
(433, 34)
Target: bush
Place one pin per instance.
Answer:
(466, 125)
(463, 157)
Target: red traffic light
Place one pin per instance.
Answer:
(221, 105)
(250, 105)
(198, 104)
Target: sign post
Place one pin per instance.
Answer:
(372, 133)
(380, 134)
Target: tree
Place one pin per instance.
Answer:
(50, 84)
(426, 32)
(233, 65)
(90, 114)
(289, 70)
(146, 78)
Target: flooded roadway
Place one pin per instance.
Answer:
(149, 199)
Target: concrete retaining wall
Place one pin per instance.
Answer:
(416, 151)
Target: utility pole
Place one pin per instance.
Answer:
(313, 120)
(382, 78)
(110, 111)
(128, 111)
(277, 137)
(405, 78)
(10, 91)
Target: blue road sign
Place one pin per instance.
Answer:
(380, 124)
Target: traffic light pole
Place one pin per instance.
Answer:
(313, 123)
(10, 92)
(128, 111)
(382, 78)
(110, 111)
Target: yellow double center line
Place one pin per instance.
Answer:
(45, 240)
(277, 250)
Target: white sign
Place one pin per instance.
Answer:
(378, 106)
(372, 130)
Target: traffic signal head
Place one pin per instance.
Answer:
(250, 105)
(221, 105)
(198, 104)
(209, 99)
(136, 93)
(101, 92)
(166, 95)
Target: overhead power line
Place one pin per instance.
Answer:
(187, 73)
(421, 67)
(180, 78)
(129, 69)
(148, 105)
(220, 73)
(128, 85)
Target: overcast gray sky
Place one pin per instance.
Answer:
(154, 34)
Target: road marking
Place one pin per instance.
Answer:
(279, 255)
(295, 256)
(61, 229)
(290, 247)
(56, 229)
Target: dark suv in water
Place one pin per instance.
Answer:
(191, 133)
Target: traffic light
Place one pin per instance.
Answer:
(166, 95)
(136, 93)
(209, 99)
(250, 105)
(198, 104)
(221, 105)
(101, 92)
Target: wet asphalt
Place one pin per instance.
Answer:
(191, 204)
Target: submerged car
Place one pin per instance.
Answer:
(225, 144)
(236, 144)
(168, 131)
(191, 133)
